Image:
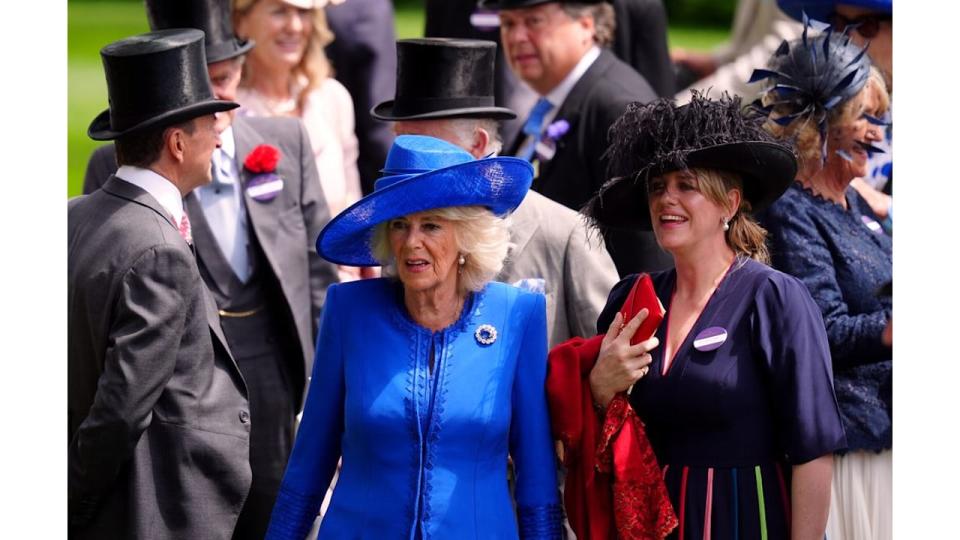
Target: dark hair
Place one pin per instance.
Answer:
(143, 149)
(604, 19)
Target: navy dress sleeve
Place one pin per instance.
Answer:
(791, 341)
(803, 250)
(531, 446)
(317, 448)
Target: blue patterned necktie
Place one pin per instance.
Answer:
(534, 126)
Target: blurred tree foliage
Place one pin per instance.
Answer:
(682, 12)
(700, 12)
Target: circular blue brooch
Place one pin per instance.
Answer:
(485, 334)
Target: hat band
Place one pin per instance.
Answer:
(404, 106)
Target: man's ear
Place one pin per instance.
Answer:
(175, 143)
(481, 139)
(589, 26)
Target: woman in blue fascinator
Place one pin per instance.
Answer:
(824, 95)
(423, 383)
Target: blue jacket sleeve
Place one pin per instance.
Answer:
(538, 502)
(802, 251)
(317, 448)
(792, 343)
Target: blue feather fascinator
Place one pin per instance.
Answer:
(811, 76)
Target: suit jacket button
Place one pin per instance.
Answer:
(244, 417)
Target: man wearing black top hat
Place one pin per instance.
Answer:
(557, 47)
(159, 423)
(445, 89)
(254, 234)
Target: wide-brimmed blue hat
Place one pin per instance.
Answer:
(821, 9)
(423, 173)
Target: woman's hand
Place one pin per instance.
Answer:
(887, 337)
(620, 364)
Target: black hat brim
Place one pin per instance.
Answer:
(384, 111)
(516, 4)
(226, 50)
(100, 130)
(766, 169)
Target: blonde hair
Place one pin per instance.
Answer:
(745, 236)
(804, 131)
(314, 67)
(482, 238)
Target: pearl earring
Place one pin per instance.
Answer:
(726, 224)
(461, 261)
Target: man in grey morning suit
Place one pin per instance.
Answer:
(255, 252)
(159, 424)
(445, 89)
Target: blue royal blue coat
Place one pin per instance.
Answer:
(424, 452)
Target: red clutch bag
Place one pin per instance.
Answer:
(642, 296)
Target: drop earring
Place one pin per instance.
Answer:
(726, 224)
(461, 261)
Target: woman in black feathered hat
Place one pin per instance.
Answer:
(825, 96)
(734, 388)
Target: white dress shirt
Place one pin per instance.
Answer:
(161, 189)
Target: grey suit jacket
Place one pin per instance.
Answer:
(551, 244)
(159, 424)
(286, 227)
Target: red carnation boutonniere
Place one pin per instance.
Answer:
(265, 184)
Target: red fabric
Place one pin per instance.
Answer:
(262, 159)
(613, 487)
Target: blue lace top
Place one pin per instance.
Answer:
(843, 257)
(424, 444)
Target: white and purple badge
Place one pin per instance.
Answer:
(871, 224)
(485, 20)
(265, 186)
(710, 339)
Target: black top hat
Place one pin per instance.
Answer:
(211, 16)
(514, 4)
(443, 78)
(660, 137)
(154, 80)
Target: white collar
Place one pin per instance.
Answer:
(559, 94)
(227, 145)
(157, 186)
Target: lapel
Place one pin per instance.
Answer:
(263, 216)
(207, 248)
(125, 190)
(213, 321)
(572, 106)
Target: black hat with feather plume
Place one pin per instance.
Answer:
(660, 137)
(812, 76)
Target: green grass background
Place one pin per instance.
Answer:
(91, 25)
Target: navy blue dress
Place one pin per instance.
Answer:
(727, 424)
(843, 257)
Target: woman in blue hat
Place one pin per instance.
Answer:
(825, 96)
(425, 382)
